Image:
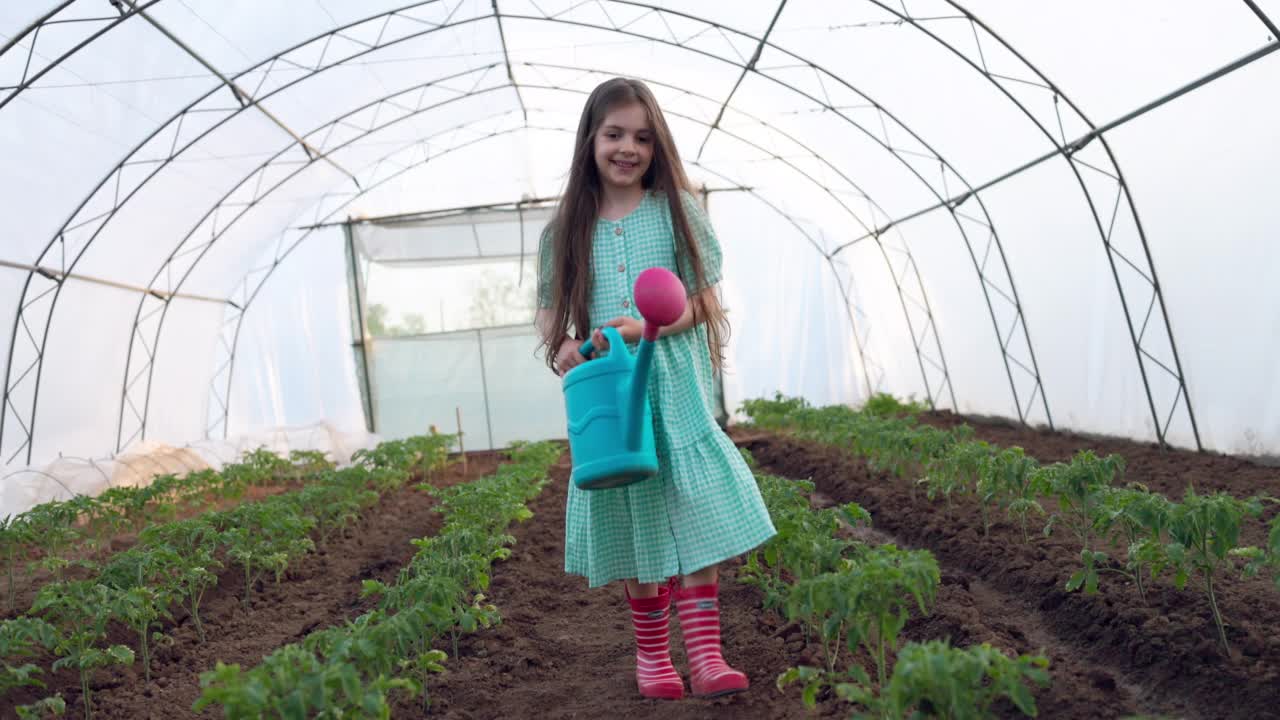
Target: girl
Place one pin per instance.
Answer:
(627, 208)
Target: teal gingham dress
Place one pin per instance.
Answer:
(703, 506)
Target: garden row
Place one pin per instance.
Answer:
(1197, 537)
(174, 563)
(850, 595)
(352, 670)
(55, 535)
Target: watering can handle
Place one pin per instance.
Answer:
(612, 333)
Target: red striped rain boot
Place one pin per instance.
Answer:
(699, 610)
(655, 675)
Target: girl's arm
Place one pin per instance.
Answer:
(565, 349)
(631, 328)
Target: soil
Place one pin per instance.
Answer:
(1164, 470)
(26, 583)
(1156, 658)
(566, 651)
(319, 591)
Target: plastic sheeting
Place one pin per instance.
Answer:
(22, 488)
(448, 301)
(127, 161)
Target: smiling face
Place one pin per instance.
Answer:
(624, 146)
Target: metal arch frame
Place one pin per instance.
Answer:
(221, 397)
(247, 101)
(1003, 338)
(957, 201)
(839, 281)
(654, 10)
(1068, 151)
(48, 19)
(905, 249)
(245, 297)
(1267, 21)
(910, 266)
(259, 193)
(859, 341)
(923, 304)
(917, 339)
(130, 378)
(751, 64)
(117, 202)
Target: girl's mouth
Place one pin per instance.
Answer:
(625, 166)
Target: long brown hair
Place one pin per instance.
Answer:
(573, 227)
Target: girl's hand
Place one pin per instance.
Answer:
(567, 356)
(630, 328)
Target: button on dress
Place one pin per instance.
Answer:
(703, 506)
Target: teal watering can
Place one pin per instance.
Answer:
(610, 422)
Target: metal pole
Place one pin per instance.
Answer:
(58, 276)
(484, 386)
(242, 96)
(367, 389)
(1075, 145)
(506, 56)
(436, 214)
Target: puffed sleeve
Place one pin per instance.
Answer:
(546, 260)
(708, 245)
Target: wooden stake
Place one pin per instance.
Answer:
(461, 448)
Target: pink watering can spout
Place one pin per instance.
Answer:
(661, 301)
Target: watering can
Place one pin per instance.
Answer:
(610, 422)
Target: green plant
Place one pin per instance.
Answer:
(867, 604)
(956, 470)
(886, 405)
(184, 556)
(933, 679)
(1080, 487)
(775, 414)
(53, 706)
(336, 503)
(293, 683)
(140, 607)
(1017, 485)
(306, 463)
(264, 537)
(81, 610)
(1267, 558)
(350, 670)
(16, 532)
(23, 637)
(1204, 530)
(52, 531)
(1138, 518)
(806, 542)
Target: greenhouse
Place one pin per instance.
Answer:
(253, 249)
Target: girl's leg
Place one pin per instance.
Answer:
(651, 617)
(638, 590)
(706, 576)
(698, 605)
